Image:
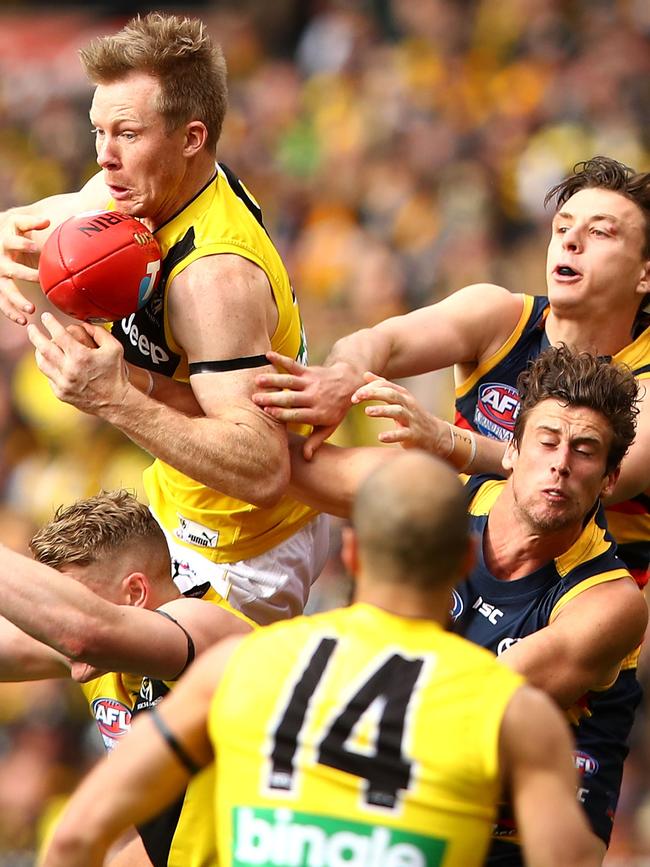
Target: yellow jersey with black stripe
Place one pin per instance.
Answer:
(488, 402)
(183, 835)
(495, 614)
(222, 218)
(359, 737)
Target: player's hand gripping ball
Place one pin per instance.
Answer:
(99, 266)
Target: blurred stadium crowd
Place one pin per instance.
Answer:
(400, 149)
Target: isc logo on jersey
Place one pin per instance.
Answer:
(282, 838)
(497, 408)
(489, 611)
(113, 720)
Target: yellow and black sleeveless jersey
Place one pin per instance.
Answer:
(495, 614)
(488, 402)
(183, 834)
(357, 736)
(222, 218)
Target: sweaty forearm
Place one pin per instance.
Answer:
(241, 452)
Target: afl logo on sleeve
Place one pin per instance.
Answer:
(113, 720)
(497, 408)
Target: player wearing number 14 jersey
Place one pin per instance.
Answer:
(367, 736)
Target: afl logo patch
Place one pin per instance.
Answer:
(499, 404)
(505, 643)
(586, 765)
(456, 605)
(113, 719)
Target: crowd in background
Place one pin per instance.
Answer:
(399, 149)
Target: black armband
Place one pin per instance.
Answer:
(191, 650)
(170, 739)
(242, 363)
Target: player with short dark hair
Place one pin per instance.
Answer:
(597, 279)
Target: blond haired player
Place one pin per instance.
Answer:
(365, 735)
(101, 607)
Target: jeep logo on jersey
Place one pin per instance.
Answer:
(113, 720)
(497, 408)
(140, 341)
(283, 838)
(457, 606)
(586, 765)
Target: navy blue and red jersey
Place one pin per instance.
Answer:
(488, 402)
(495, 614)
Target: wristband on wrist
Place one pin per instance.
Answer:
(149, 389)
(463, 449)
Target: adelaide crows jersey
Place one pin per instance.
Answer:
(495, 614)
(222, 218)
(488, 402)
(359, 737)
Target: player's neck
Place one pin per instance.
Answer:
(603, 335)
(398, 598)
(512, 548)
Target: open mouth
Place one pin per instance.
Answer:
(566, 271)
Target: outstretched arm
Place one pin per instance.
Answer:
(466, 451)
(464, 328)
(24, 658)
(61, 613)
(535, 751)
(143, 774)
(330, 480)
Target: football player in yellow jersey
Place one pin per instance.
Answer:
(362, 736)
(224, 299)
(597, 282)
(99, 605)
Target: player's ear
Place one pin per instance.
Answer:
(196, 136)
(135, 588)
(510, 456)
(350, 550)
(609, 482)
(643, 286)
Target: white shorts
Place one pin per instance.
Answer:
(272, 586)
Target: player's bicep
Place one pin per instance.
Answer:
(465, 327)
(222, 314)
(584, 646)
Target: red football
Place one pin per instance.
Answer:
(99, 266)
